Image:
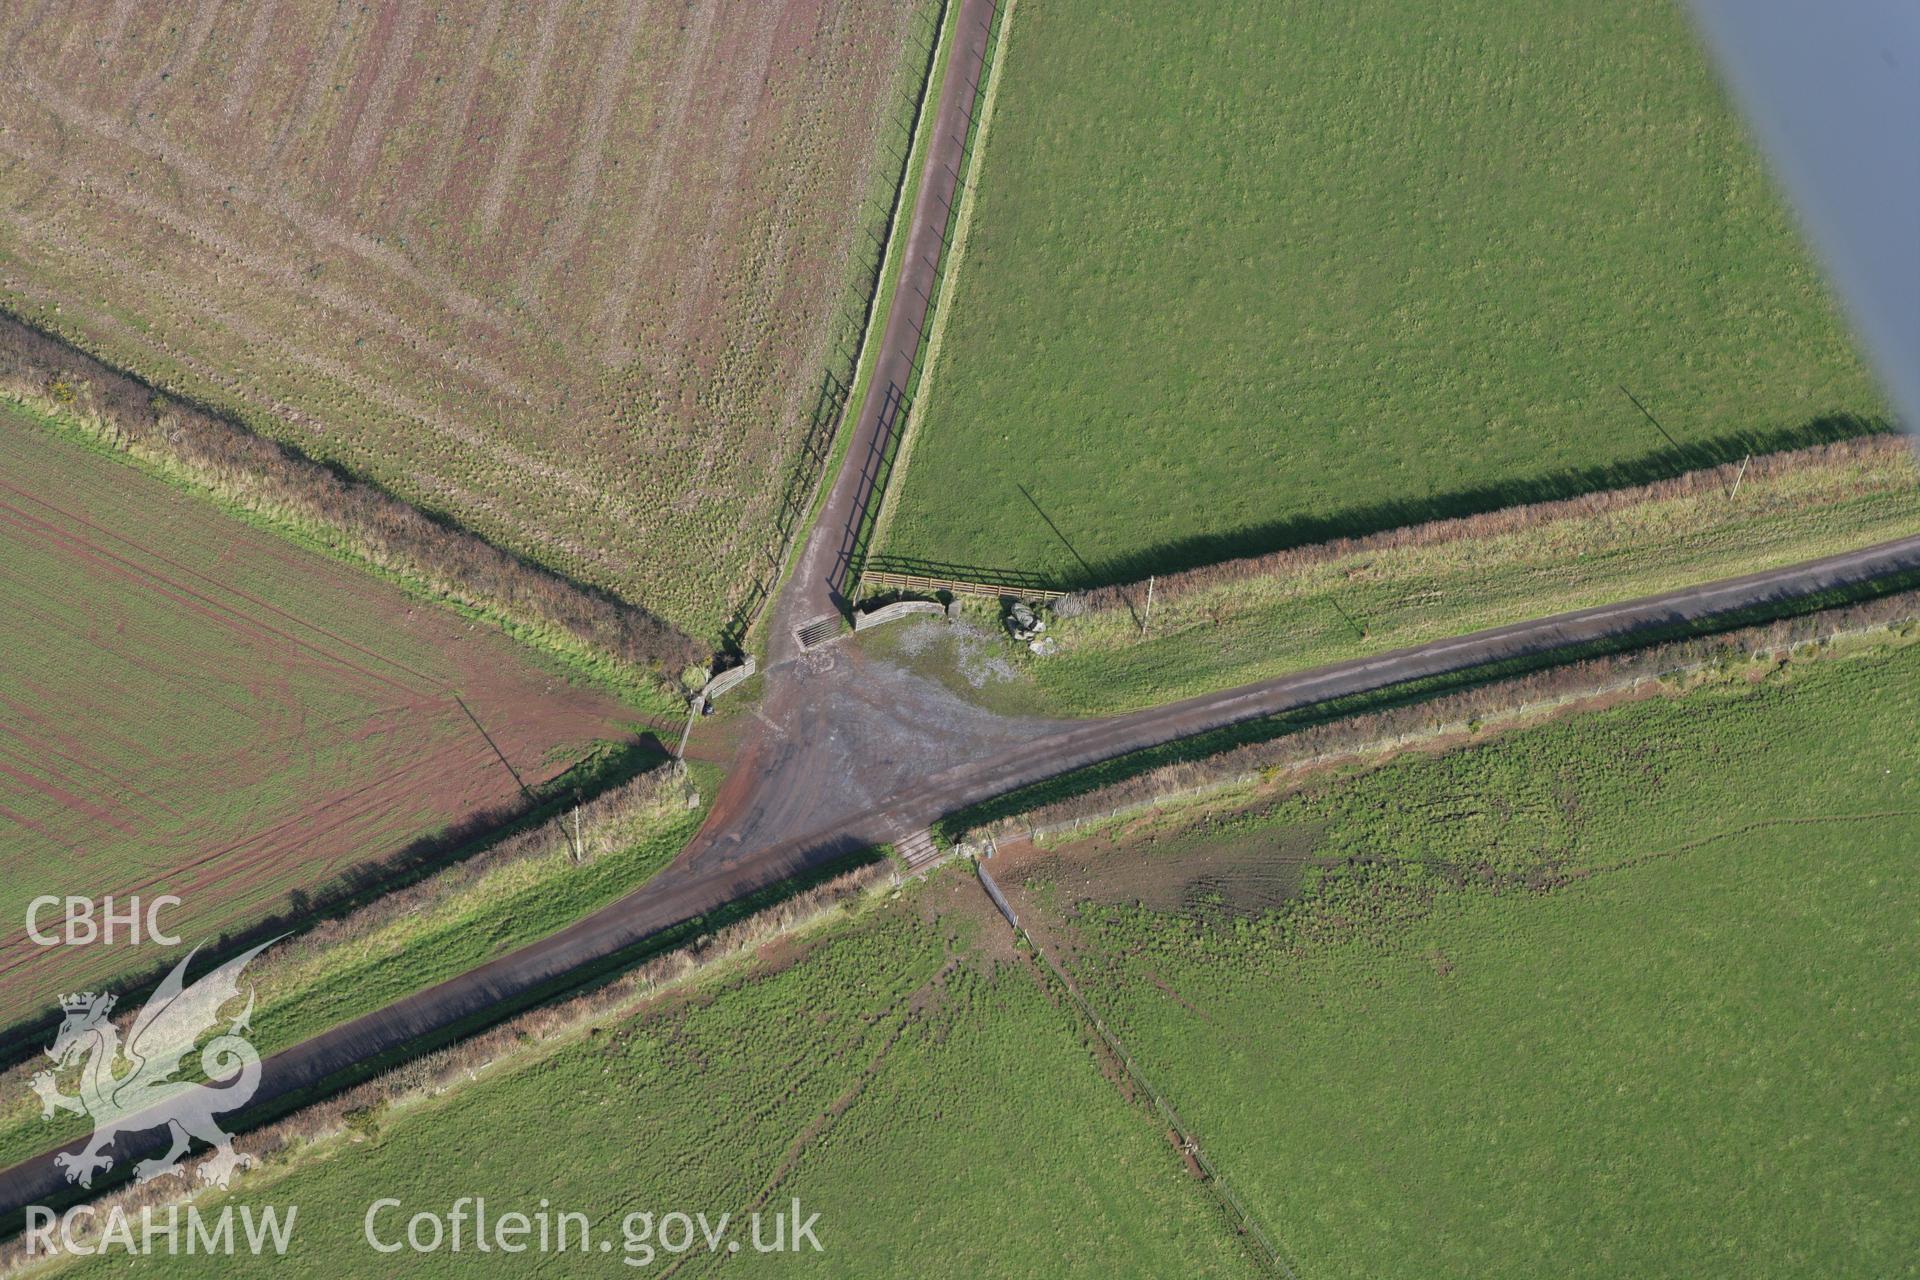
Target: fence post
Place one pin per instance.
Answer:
(1188, 1142)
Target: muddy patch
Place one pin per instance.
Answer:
(962, 656)
(955, 903)
(1201, 875)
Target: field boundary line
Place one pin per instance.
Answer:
(288, 508)
(1097, 814)
(1706, 484)
(748, 617)
(950, 270)
(958, 586)
(1747, 829)
(873, 321)
(1189, 1144)
(528, 1038)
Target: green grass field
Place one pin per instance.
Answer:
(1623, 994)
(902, 1073)
(1254, 275)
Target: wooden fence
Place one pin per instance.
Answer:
(928, 585)
(729, 678)
(862, 620)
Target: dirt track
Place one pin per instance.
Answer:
(852, 751)
(815, 589)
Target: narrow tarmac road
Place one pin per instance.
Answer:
(855, 752)
(850, 751)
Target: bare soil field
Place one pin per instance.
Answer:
(198, 708)
(569, 275)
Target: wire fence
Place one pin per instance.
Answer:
(1216, 1181)
(900, 400)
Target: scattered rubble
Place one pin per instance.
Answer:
(1023, 624)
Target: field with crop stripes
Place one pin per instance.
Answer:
(571, 275)
(1255, 274)
(195, 707)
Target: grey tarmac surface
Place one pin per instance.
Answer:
(854, 752)
(850, 751)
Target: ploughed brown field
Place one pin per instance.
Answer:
(192, 706)
(569, 274)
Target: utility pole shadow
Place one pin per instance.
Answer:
(518, 781)
(1073, 551)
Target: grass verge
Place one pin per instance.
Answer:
(877, 302)
(512, 894)
(952, 236)
(951, 264)
(1236, 624)
(1869, 604)
(860, 1063)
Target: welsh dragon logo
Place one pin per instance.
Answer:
(129, 1088)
